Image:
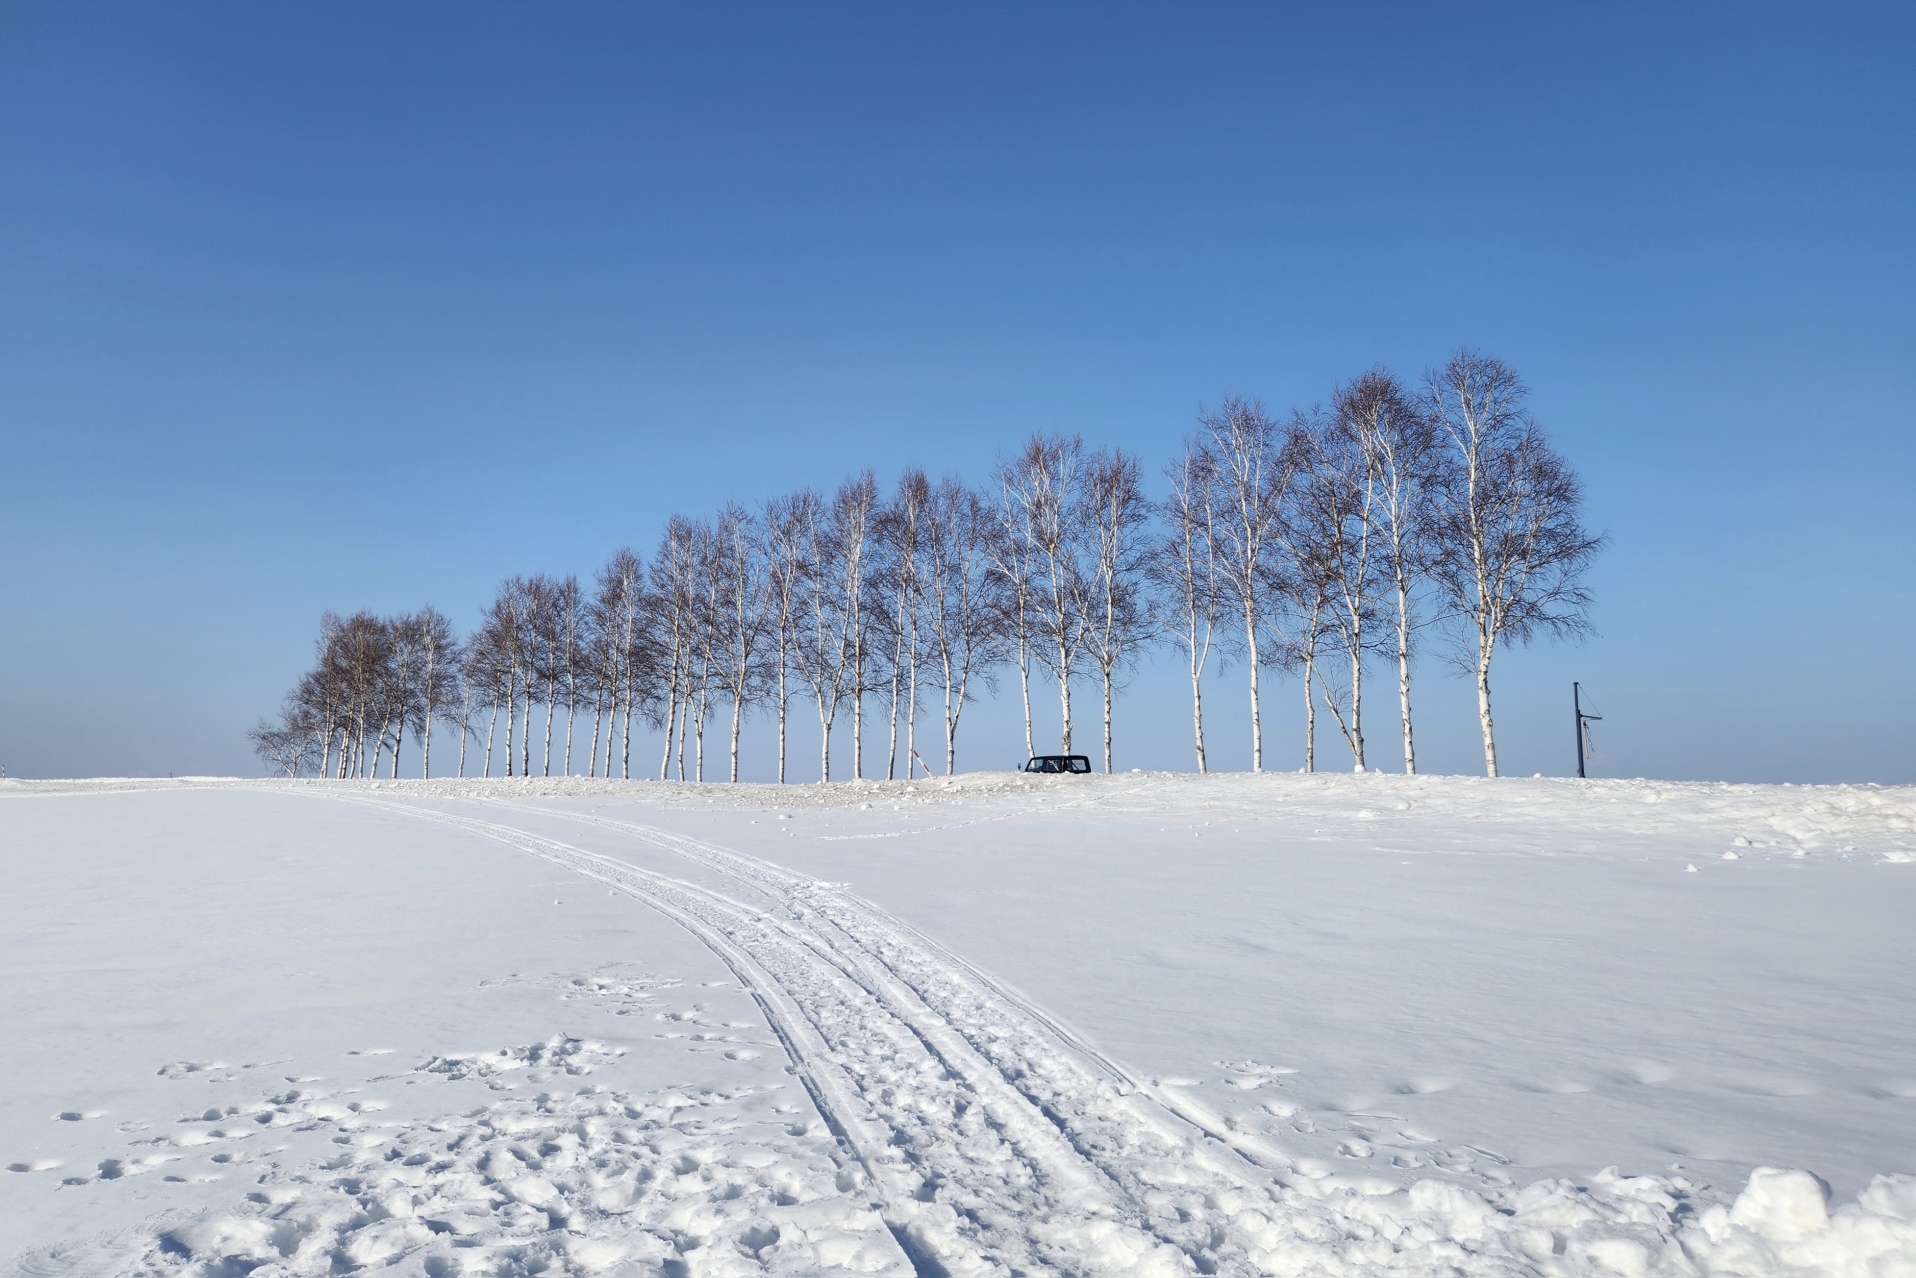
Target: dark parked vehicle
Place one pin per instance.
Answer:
(1059, 763)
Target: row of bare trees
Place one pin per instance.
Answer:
(377, 679)
(1319, 544)
(1338, 536)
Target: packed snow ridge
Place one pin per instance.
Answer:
(885, 1105)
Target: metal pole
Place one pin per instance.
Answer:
(1576, 701)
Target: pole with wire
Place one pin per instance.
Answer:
(1583, 722)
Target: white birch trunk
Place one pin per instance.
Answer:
(465, 720)
(911, 706)
(598, 726)
(1197, 702)
(891, 753)
(1064, 707)
(858, 727)
(671, 729)
(1024, 689)
(552, 706)
(1310, 715)
(1257, 719)
(698, 742)
(1107, 720)
(610, 728)
(1357, 706)
(782, 704)
(1403, 675)
(738, 711)
(1483, 707)
(512, 717)
(825, 743)
(571, 712)
(685, 713)
(951, 720)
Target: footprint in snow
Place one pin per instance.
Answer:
(1249, 1075)
(181, 1069)
(1423, 1086)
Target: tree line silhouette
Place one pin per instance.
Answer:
(1318, 544)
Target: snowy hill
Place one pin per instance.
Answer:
(1138, 1024)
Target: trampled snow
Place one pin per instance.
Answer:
(1139, 1024)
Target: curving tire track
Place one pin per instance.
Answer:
(968, 1173)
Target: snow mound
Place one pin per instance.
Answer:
(1781, 1224)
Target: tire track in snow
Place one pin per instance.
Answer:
(899, 947)
(1215, 1195)
(971, 1177)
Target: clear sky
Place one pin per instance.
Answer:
(329, 306)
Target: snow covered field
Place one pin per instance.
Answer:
(1149, 1024)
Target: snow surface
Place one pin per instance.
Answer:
(1002, 1024)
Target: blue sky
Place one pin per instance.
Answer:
(352, 305)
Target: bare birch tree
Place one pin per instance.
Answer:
(1508, 519)
(784, 523)
(1185, 573)
(1117, 618)
(853, 517)
(1014, 577)
(962, 620)
(822, 653)
(617, 620)
(1242, 457)
(1333, 526)
(1045, 484)
(439, 681)
(485, 673)
(287, 747)
(673, 615)
(1295, 583)
(1398, 440)
(897, 599)
(543, 656)
(566, 658)
(744, 611)
(707, 623)
(506, 645)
